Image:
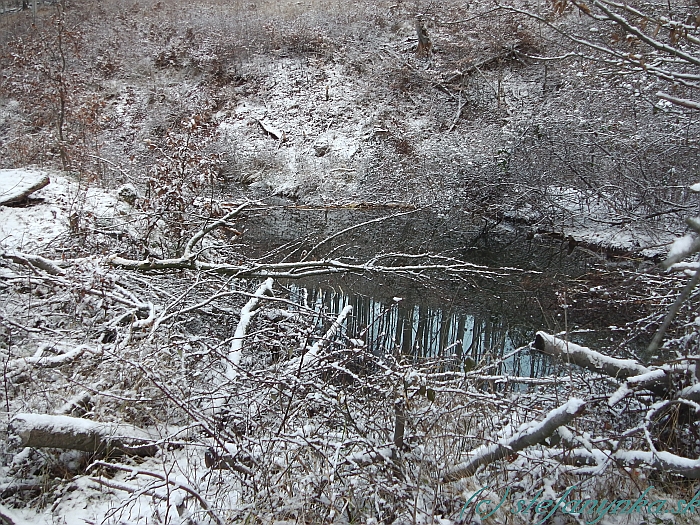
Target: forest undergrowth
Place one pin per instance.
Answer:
(154, 370)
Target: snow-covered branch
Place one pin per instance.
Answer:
(311, 356)
(48, 361)
(587, 358)
(654, 43)
(529, 434)
(666, 61)
(197, 237)
(34, 261)
(686, 103)
(297, 270)
(247, 313)
(659, 460)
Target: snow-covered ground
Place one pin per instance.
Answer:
(86, 345)
(38, 225)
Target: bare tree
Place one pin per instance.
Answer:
(661, 40)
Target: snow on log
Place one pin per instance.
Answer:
(529, 434)
(664, 461)
(247, 313)
(34, 261)
(691, 393)
(684, 102)
(47, 431)
(17, 185)
(587, 358)
(661, 461)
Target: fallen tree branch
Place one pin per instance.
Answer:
(188, 253)
(18, 365)
(355, 227)
(531, 434)
(247, 313)
(587, 358)
(297, 270)
(310, 357)
(684, 102)
(657, 381)
(65, 432)
(294, 270)
(675, 307)
(191, 491)
(34, 262)
(660, 460)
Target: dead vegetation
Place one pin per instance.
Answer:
(199, 104)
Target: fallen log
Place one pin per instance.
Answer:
(65, 432)
(530, 435)
(660, 460)
(636, 376)
(587, 358)
(17, 185)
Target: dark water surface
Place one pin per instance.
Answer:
(476, 317)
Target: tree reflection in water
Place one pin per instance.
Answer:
(419, 331)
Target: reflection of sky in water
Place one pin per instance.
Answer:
(419, 331)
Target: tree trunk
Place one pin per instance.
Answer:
(47, 431)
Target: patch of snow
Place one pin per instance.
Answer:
(590, 220)
(681, 245)
(34, 228)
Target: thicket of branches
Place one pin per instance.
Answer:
(226, 387)
(169, 377)
(640, 64)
